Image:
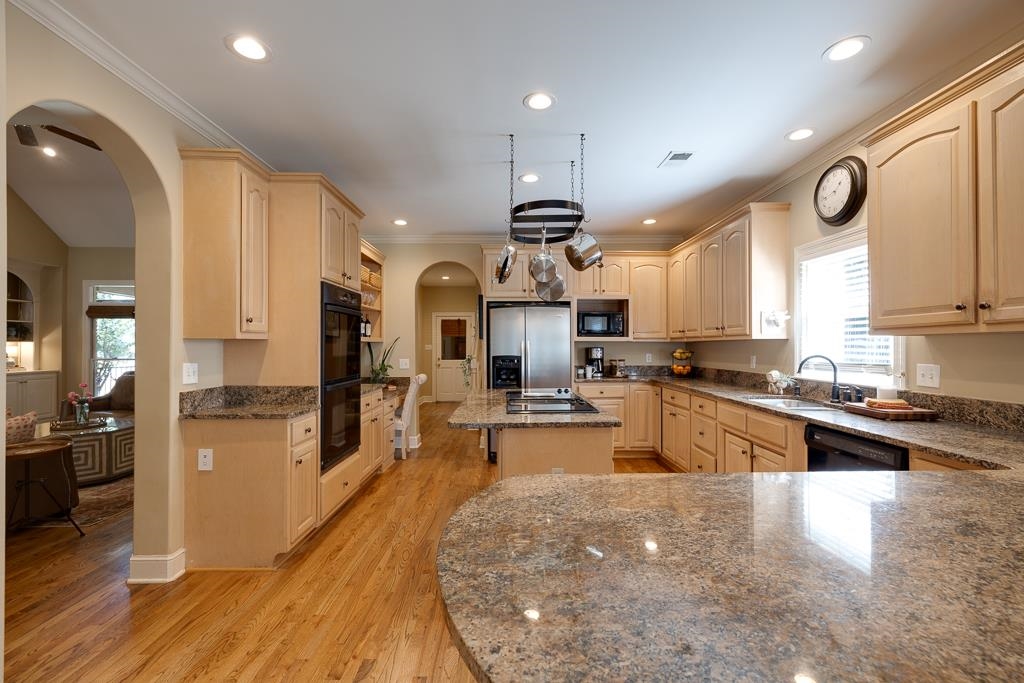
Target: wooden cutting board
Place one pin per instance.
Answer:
(890, 414)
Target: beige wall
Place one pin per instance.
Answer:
(29, 238)
(143, 141)
(635, 353)
(3, 259)
(986, 366)
(440, 300)
(98, 263)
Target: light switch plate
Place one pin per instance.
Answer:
(205, 459)
(928, 375)
(403, 363)
(190, 373)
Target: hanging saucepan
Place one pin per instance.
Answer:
(506, 259)
(583, 251)
(551, 291)
(542, 265)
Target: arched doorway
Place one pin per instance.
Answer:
(157, 521)
(448, 333)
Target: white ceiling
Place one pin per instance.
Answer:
(79, 193)
(406, 104)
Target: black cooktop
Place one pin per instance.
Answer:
(516, 403)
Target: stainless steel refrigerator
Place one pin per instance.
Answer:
(539, 335)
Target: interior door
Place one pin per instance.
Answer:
(454, 334)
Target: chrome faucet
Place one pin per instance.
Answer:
(835, 374)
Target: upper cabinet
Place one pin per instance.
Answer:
(674, 295)
(225, 227)
(946, 215)
(339, 241)
(520, 284)
(609, 279)
(648, 278)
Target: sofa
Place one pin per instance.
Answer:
(120, 402)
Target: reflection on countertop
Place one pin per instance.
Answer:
(486, 409)
(835, 576)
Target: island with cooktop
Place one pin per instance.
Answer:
(557, 434)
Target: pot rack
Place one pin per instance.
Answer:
(560, 218)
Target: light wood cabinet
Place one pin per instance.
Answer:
(373, 288)
(33, 390)
(675, 435)
(332, 240)
(736, 292)
(703, 434)
(610, 279)
(953, 159)
(370, 432)
(259, 500)
(668, 432)
(352, 251)
(226, 204)
(923, 461)
(711, 287)
(644, 416)
(648, 282)
(388, 434)
(610, 397)
(768, 461)
(738, 454)
(516, 286)
(691, 301)
(675, 295)
(339, 484)
(703, 463)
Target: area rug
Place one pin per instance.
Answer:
(97, 504)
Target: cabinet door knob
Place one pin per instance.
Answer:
(299, 461)
(344, 483)
(345, 275)
(961, 307)
(744, 452)
(984, 305)
(700, 467)
(249, 320)
(700, 433)
(309, 429)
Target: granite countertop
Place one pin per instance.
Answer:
(985, 446)
(835, 576)
(238, 402)
(486, 409)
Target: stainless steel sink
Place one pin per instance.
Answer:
(787, 403)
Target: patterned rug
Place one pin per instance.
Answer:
(97, 504)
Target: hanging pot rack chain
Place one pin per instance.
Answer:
(511, 177)
(560, 226)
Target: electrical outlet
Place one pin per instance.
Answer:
(403, 363)
(753, 362)
(205, 459)
(190, 373)
(557, 470)
(648, 357)
(928, 375)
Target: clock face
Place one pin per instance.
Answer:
(834, 191)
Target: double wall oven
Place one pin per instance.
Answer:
(339, 388)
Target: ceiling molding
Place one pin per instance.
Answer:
(656, 242)
(65, 25)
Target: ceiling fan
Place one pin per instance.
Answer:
(27, 136)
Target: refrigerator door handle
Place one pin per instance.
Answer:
(526, 364)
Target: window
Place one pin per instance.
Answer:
(832, 314)
(110, 311)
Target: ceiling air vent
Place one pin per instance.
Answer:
(675, 159)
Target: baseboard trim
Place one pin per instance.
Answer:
(415, 441)
(156, 568)
(425, 399)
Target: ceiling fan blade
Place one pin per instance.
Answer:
(71, 136)
(25, 135)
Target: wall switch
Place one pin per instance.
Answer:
(205, 459)
(753, 362)
(557, 470)
(190, 373)
(928, 375)
(428, 347)
(403, 363)
(648, 357)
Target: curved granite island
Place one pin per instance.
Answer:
(540, 443)
(832, 576)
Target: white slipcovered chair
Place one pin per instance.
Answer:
(403, 422)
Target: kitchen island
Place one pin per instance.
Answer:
(574, 443)
(831, 576)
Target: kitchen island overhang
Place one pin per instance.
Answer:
(545, 443)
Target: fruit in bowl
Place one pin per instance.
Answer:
(680, 370)
(682, 354)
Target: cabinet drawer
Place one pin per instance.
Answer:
(768, 429)
(390, 405)
(703, 434)
(705, 406)
(702, 462)
(370, 400)
(337, 485)
(677, 398)
(731, 416)
(388, 418)
(302, 429)
(615, 390)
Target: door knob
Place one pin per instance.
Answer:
(984, 305)
(961, 307)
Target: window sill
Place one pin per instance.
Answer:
(857, 379)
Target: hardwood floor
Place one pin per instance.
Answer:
(640, 466)
(358, 601)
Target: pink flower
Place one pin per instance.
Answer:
(72, 396)
(83, 385)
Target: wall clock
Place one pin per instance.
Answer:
(841, 190)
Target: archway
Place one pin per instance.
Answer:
(157, 535)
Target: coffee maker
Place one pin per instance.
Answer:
(595, 359)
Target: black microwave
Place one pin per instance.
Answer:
(600, 324)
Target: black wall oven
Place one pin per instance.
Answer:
(339, 389)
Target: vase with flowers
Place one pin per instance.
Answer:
(80, 401)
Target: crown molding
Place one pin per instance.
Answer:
(611, 242)
(66, 26)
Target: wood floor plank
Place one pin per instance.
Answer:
(358, 601)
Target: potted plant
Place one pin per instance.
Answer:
(379, 371)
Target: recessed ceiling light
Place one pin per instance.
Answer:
(400, 222)
(248, 47)
(650, 221)
(49, 151)
(538, 101)
(529, 177)
(846, 48)
(799, 134)
(446, 277)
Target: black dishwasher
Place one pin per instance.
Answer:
(829, 450)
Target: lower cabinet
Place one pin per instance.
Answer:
(675, 429)
(260, 498)
(644, 417)
(388, 431)
(338, 484)
(702, 463)
(609, 397)
(33, 390)
(922, 461)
